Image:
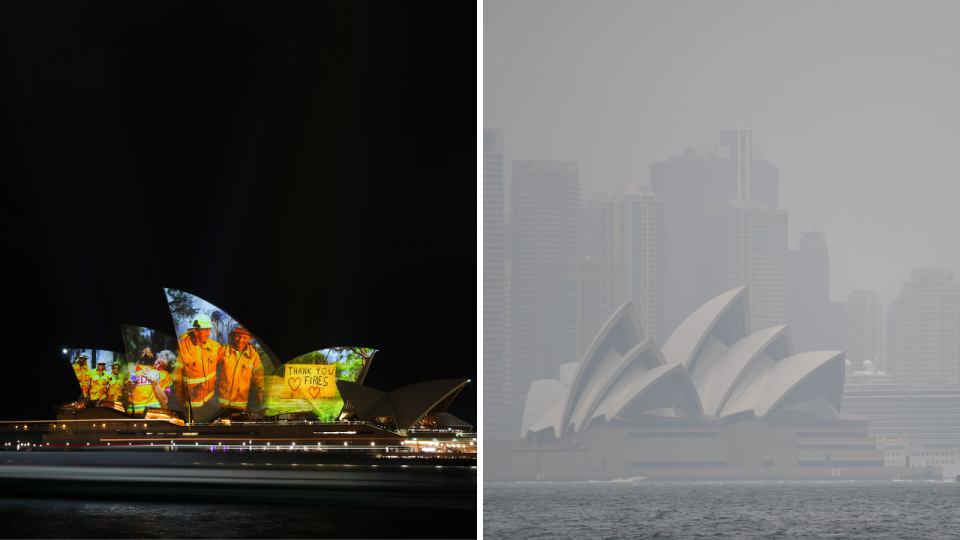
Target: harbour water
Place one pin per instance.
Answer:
(232, 495)
(638, 508)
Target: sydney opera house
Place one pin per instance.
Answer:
(213, 385)
(715, 402)
(409, 421)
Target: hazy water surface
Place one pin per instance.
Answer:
(234, 500)
(77, 518)
(643, 509)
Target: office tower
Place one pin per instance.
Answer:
(864, 329)
(745, 243)
(808, 297)
(545, 229)
(923, 329)
(578, 295)
(588, 222)
(686, 183)
(630, 229)
(837, 328)
(495, 358)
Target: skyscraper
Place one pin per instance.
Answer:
(686, 183)
(495, 357)
(545, 226)
(631, 232)
(578, 296)
(838, 321)
(808, 299)
(923, 329)
(756, 179)
(588, 221)
(745, 243)
(863, 329)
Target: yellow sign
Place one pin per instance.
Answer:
(309, 381)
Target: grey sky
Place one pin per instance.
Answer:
(857, 103)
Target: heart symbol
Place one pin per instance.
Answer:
(290, 382)
(314, 393)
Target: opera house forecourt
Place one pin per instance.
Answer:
(716, 402)
(214, 386)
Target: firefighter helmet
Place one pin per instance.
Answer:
(201, 321)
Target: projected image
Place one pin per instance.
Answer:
(154, 375)
(308, 382)
(99, 373)
(222, 364)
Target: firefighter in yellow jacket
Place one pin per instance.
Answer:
(198, 358)
(99, 381)
(115, 389)
(82, 372)
(239, 366)
(151, 381)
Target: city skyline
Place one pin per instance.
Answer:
(583, 256)
(861, 151)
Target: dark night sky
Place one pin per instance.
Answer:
(285, 164)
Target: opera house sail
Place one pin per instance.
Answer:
(716, 401)
(212, 383)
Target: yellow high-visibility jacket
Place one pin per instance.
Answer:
(99, 380)
(115, 388)
(83, 377)
(144, 394)
(237, 371)
(199, 369)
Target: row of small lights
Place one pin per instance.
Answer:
(414, 441)
(65, 426)
(255, 423)
(293, 444)
(172, 444)
(145, 425)
(435, 443)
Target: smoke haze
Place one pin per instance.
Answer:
(855, 102)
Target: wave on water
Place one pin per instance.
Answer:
(631, 479)
(855, 509)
